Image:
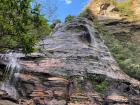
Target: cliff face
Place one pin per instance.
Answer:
(119, 33)
(108, 8)
(76, 68)
(108, 13)
(104, 9)
(136, 8)
(80, 69)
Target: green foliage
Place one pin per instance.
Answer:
(126, 54)
(69, 18)
(125, 7)
(99, 82)
(28, 42)
(21, 25)
(102, 86)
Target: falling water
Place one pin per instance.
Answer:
(12, 67)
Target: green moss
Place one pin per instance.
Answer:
(99, 82)
(102, 86)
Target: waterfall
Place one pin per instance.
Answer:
(12, 67)
(12, 64)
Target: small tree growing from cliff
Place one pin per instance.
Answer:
(69, 18)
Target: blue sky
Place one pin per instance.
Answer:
(65, 7)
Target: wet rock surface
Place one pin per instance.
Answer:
(5, 99)
(74, 67)
(69, 55)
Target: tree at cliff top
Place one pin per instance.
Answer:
(21, 25)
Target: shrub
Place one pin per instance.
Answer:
(127, 56)
(99, 82)
(69, 18)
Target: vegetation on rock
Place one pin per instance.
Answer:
(123, 48)
(99, 82)
(69, 18)
(126, 53)
(125, 7)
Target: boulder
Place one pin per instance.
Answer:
(6, 102)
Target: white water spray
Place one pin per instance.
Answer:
(12, 67)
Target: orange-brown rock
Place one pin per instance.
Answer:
(136, 8)
(103, 9)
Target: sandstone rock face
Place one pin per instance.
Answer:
(75, 49)
(136, 7)
(64, 73)
(104, 9)
(2, 102)
(5, 99)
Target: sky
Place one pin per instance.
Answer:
(65, 7)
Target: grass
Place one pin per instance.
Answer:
(125, 7)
